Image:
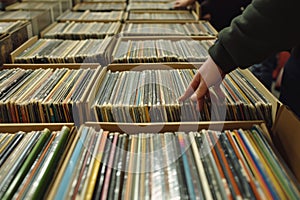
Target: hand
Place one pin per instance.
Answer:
(208, 75)
(206, 17)
(183, 3)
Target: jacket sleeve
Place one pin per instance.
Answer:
(264, 28)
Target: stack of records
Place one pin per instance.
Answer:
(45, 95)
(173, 165)
(82, 30)
(150, 6)
(100, 6)
(19, 15)
(247, 100)
(31, 6)
(12, 35)
(64, 4)
(66, 51)
(91, 16)
(29, 161)
(39, 19)
(161, 16)
(152, 96)
(202, 28)
(54, 7)
(151, 1)
(161, 50)
(7, 27)
(102, 1)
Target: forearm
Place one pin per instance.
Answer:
(264, 28)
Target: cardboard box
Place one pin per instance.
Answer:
(80, 108)
(67, 36)
(286, 136)
(99, 6)
(292, 136)
(6, 47)
(192, 13)
(165, 1)
(12, 128)
(143, 38)
(38, 19)
(145, 6)
(63, 4)
(177, 65)
(21, 34)
(88, 16)
(134, 128)
(13, 39)
(154, 66)
(149, 34)
(101, 1)
(103, 57)
(52, 7)
(23, 47)
(53, 66)
(276, 104)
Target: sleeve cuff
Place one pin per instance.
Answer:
(221, 57)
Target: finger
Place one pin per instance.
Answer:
(200, 104)
(200, 92)
(199, 95)
(191, 88)
(219, 93)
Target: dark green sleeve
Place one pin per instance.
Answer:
(264, 28)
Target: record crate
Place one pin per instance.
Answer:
(54, 111)
(85, 34)
(6, 47)
(63, 4)
(135, 128)
(38, 149)
(38, 19)
(52, 7)
(99, 7)
(204, 29)
(14, 38)
(140, 133)
(87, 111)
(88, 16)
(14, 128)
(21, 34)
(255, 83)
(100, 1)
(87, 149)
(167, 138)
(163, 48)
(145, 6)
(170, 16)
(52, 66)
(286, 136)
(164, 1)
(283, 136)
(102, 58)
